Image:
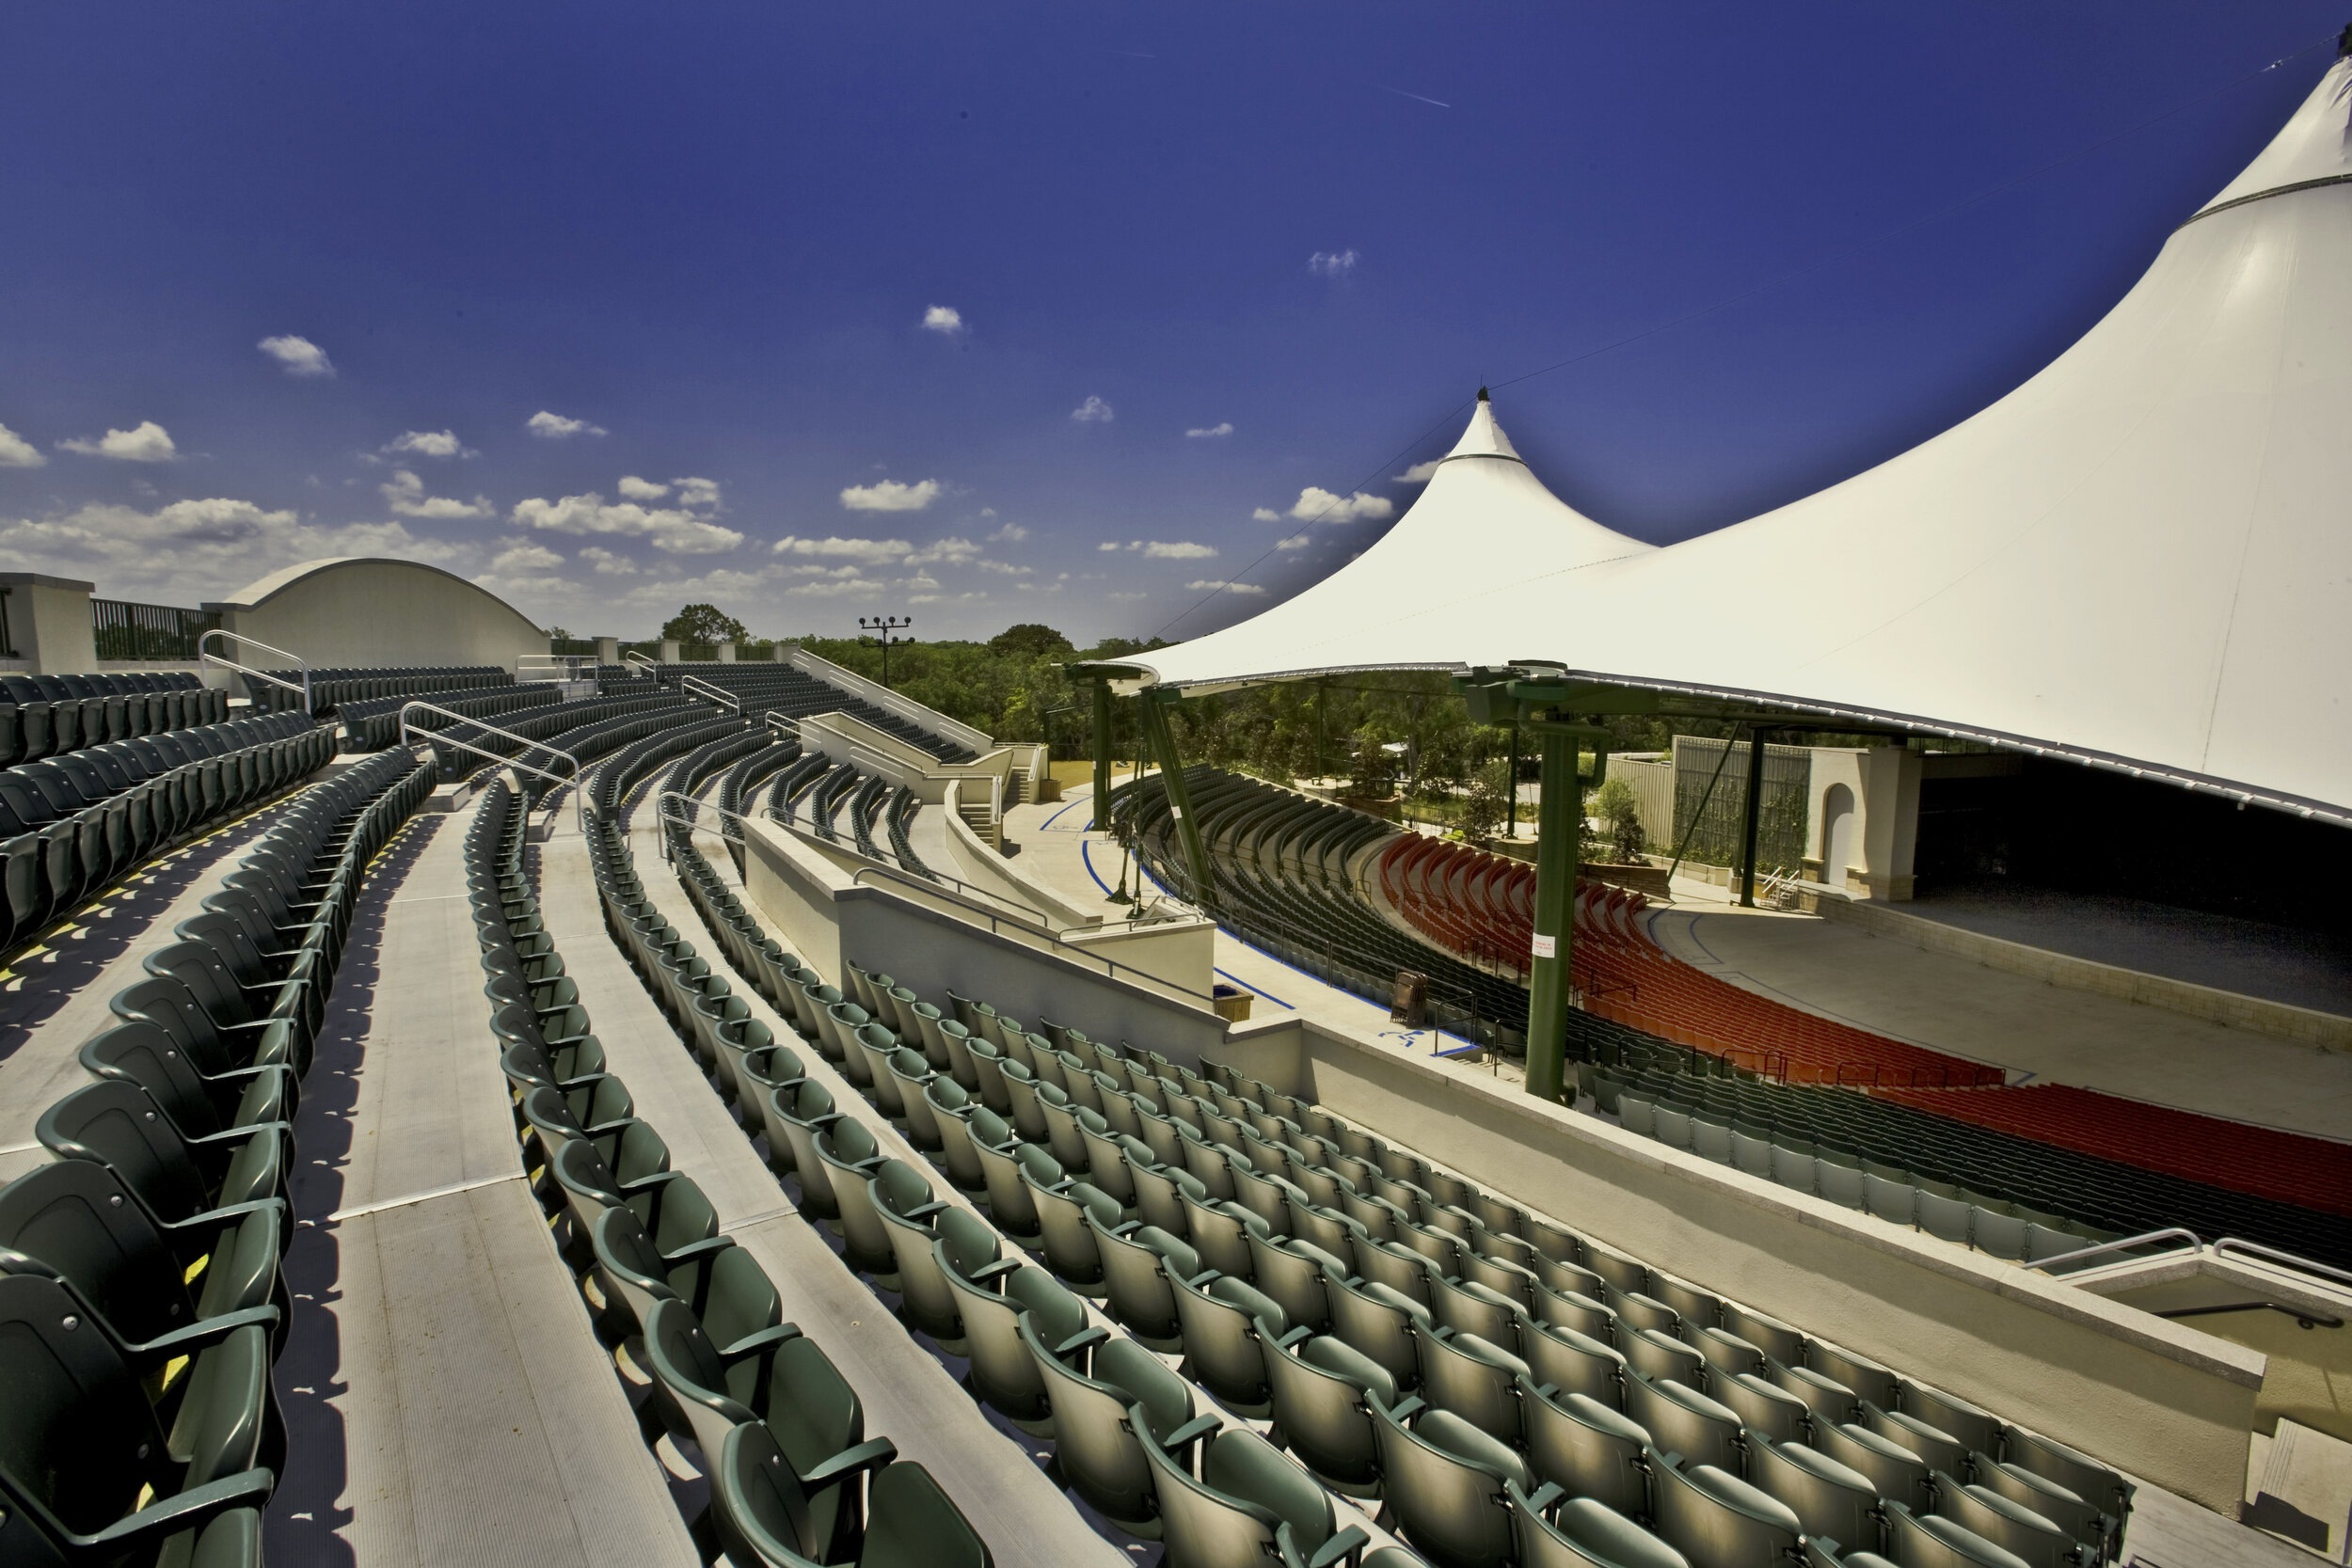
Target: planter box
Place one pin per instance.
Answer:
(1231, 1003)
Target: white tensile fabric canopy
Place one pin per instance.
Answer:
(2142, 557)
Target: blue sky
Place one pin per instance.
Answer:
(999, 314)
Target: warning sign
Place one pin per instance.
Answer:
(1547, 947)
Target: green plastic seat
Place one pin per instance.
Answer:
(115, 1124)
(912, 1524)
(80, 1441)
(1246, 1504)
(1556, 1530)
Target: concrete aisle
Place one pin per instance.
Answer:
(446, 1399)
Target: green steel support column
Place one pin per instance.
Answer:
(1101, 756)
(1163, 742)
(1557, 832)
(1750, 823)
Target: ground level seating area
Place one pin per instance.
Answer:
(2014, 1196)
(142, 1300)
(45, 716)
(1482, 905)
(1280, 859)
(2283, 1167)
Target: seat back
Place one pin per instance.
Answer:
(1444, 1482)
(74, 1218)
(1712, 1517)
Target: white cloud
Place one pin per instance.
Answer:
(193, 549)
(524, 556)
(836, 589)
(608, 564)
(17, 453)
(1005, 568)
(147, 443)
(556, 427)
(889, 495)
(945, 320)
(1209, 432)
(677, 533)
(874, 551)
(635, 489)
(1419, 473)
(1332, 264)
(1124, 598)
(430, 443)
(1314, 502)
(405, 493)
(1093, 411)
(1205, 585)
(954, 549)
(694, 492)
(1107, 545)
(1012, 533)
(1265, 515)
(1296, 542)
(300, 355)
(1178, 551)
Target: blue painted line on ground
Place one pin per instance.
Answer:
(1247, 986)
(1056, 817)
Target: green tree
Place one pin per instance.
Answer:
(1614, 805)
(703, 622)
(1030, 640)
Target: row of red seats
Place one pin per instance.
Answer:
(2284, 1166)
(1482, 906)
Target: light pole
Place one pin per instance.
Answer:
(882, 626)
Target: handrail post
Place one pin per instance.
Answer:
(579, 794)
(228, 663)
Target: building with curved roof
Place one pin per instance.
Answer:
(356, 611)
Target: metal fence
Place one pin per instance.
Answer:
(1780, 834)
(696, 653)
(572, 645)
(8, 639)
(124, 630)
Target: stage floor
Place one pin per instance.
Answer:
(2053, 1034)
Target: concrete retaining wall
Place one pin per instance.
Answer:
(825, 914)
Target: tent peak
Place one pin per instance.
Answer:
(1484, 437)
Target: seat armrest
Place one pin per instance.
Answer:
(1344, 1548)
(872, 1454)
(237, 1135)
(1547, 1493)
(755, 1344)
(1183, 1437)
(185, 1511)
(1081, 1340)
(693, 1250)
(925, 1210)
(997, 1270)
(1293, 1336)
(205, 1333)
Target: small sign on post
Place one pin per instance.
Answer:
(1409, 999)
(1547, 947)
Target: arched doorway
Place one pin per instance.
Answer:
(1837, 834)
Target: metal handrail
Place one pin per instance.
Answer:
(2271, 1254)
(580, 796)
(228, 663)
(632, 659)
(785, 726)
(694, 686)
(2195, 1243)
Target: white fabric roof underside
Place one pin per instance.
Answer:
(2143, 555)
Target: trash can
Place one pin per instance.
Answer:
(1231, 1003)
